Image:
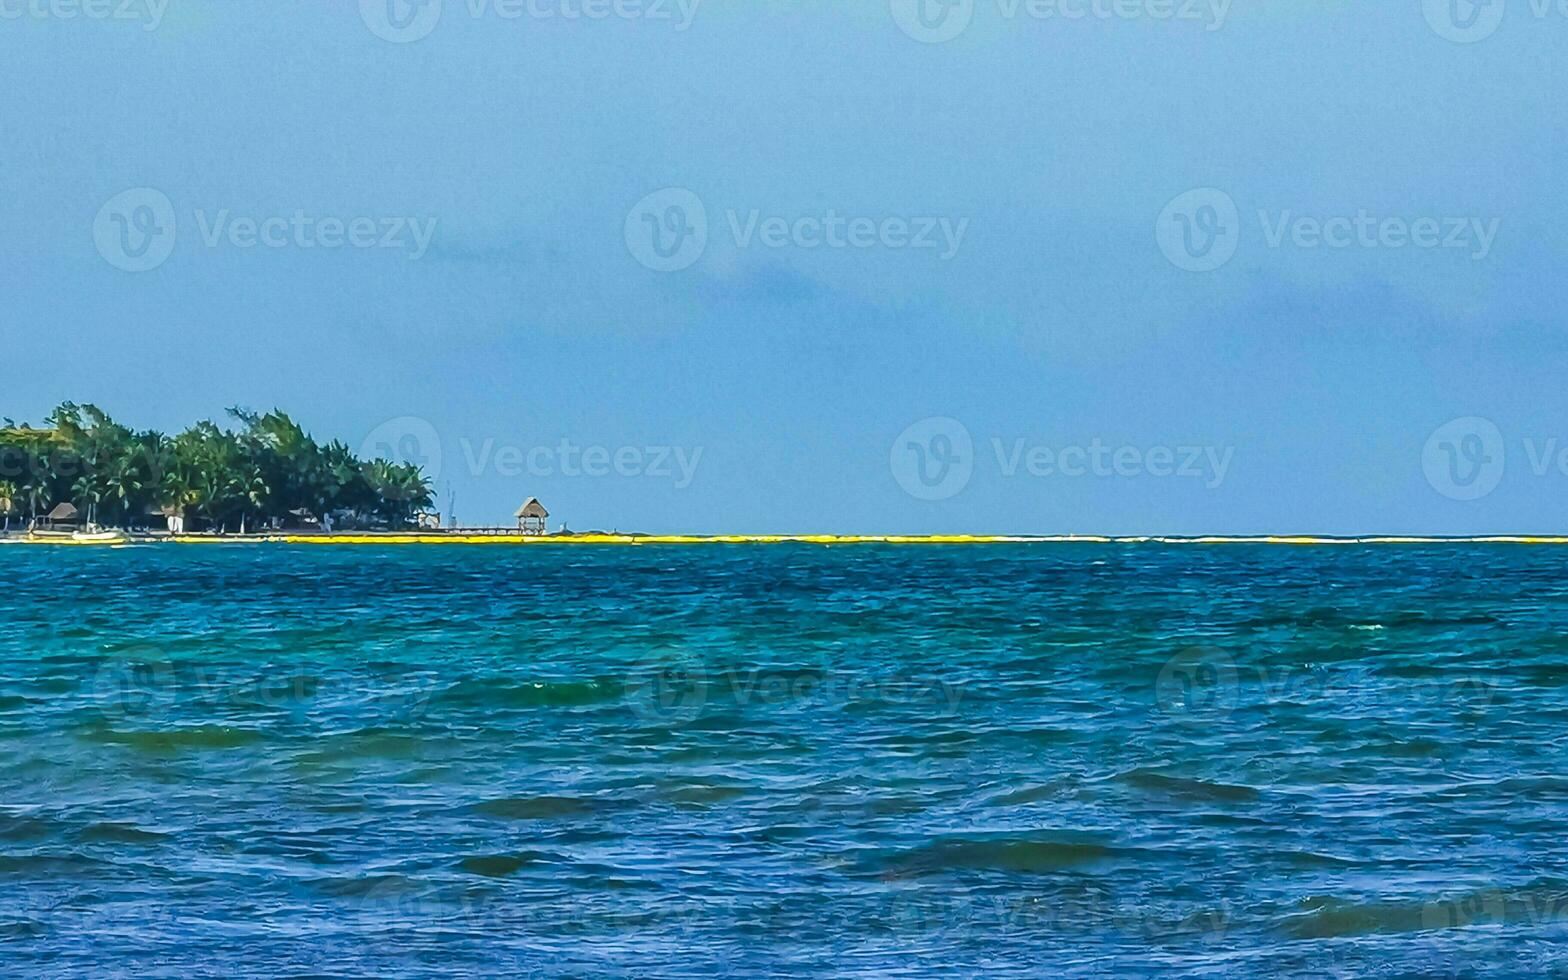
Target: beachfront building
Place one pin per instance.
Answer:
(64, 517)
(531, 517)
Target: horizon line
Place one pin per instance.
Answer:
(459, 538)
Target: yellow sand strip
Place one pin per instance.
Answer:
(925, 539)
(820, 539)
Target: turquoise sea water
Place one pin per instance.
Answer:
(665, 761)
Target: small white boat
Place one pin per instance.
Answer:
(100, 537)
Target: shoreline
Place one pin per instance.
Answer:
(458, 538)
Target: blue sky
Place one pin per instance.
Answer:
(904, 281)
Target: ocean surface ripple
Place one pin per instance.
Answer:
(1002, 760)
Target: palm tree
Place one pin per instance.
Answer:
(127, 488)
(268, 470)
(88, 490)
(401, 491)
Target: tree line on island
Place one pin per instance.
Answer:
(264, 473)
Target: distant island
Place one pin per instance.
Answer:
(83, 478)
(83, 473)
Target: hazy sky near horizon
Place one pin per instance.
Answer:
(871, 266)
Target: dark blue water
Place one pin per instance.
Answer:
(665, 761)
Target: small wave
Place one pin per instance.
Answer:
(1315, 859)
(24, 828)
(495, 693)
(1005, 852)
(22, 929)
(1029, 794)
(1411, 748)
(176, 739)
(376, 742)
(112, 832)
(501, 865)
(1325, 917)
(1196, 789)
(370, 886)
(539, 807)
(51, 865)
(703, 794)
(949, 736)
(1332, 918)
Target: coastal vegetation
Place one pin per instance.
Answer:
(262, 471)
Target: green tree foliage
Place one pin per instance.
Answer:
(266, 473)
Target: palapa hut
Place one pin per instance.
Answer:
(64, 517)
(531, 517)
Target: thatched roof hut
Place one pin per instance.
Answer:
(531, 517)
(63, 517)
(532, 509)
